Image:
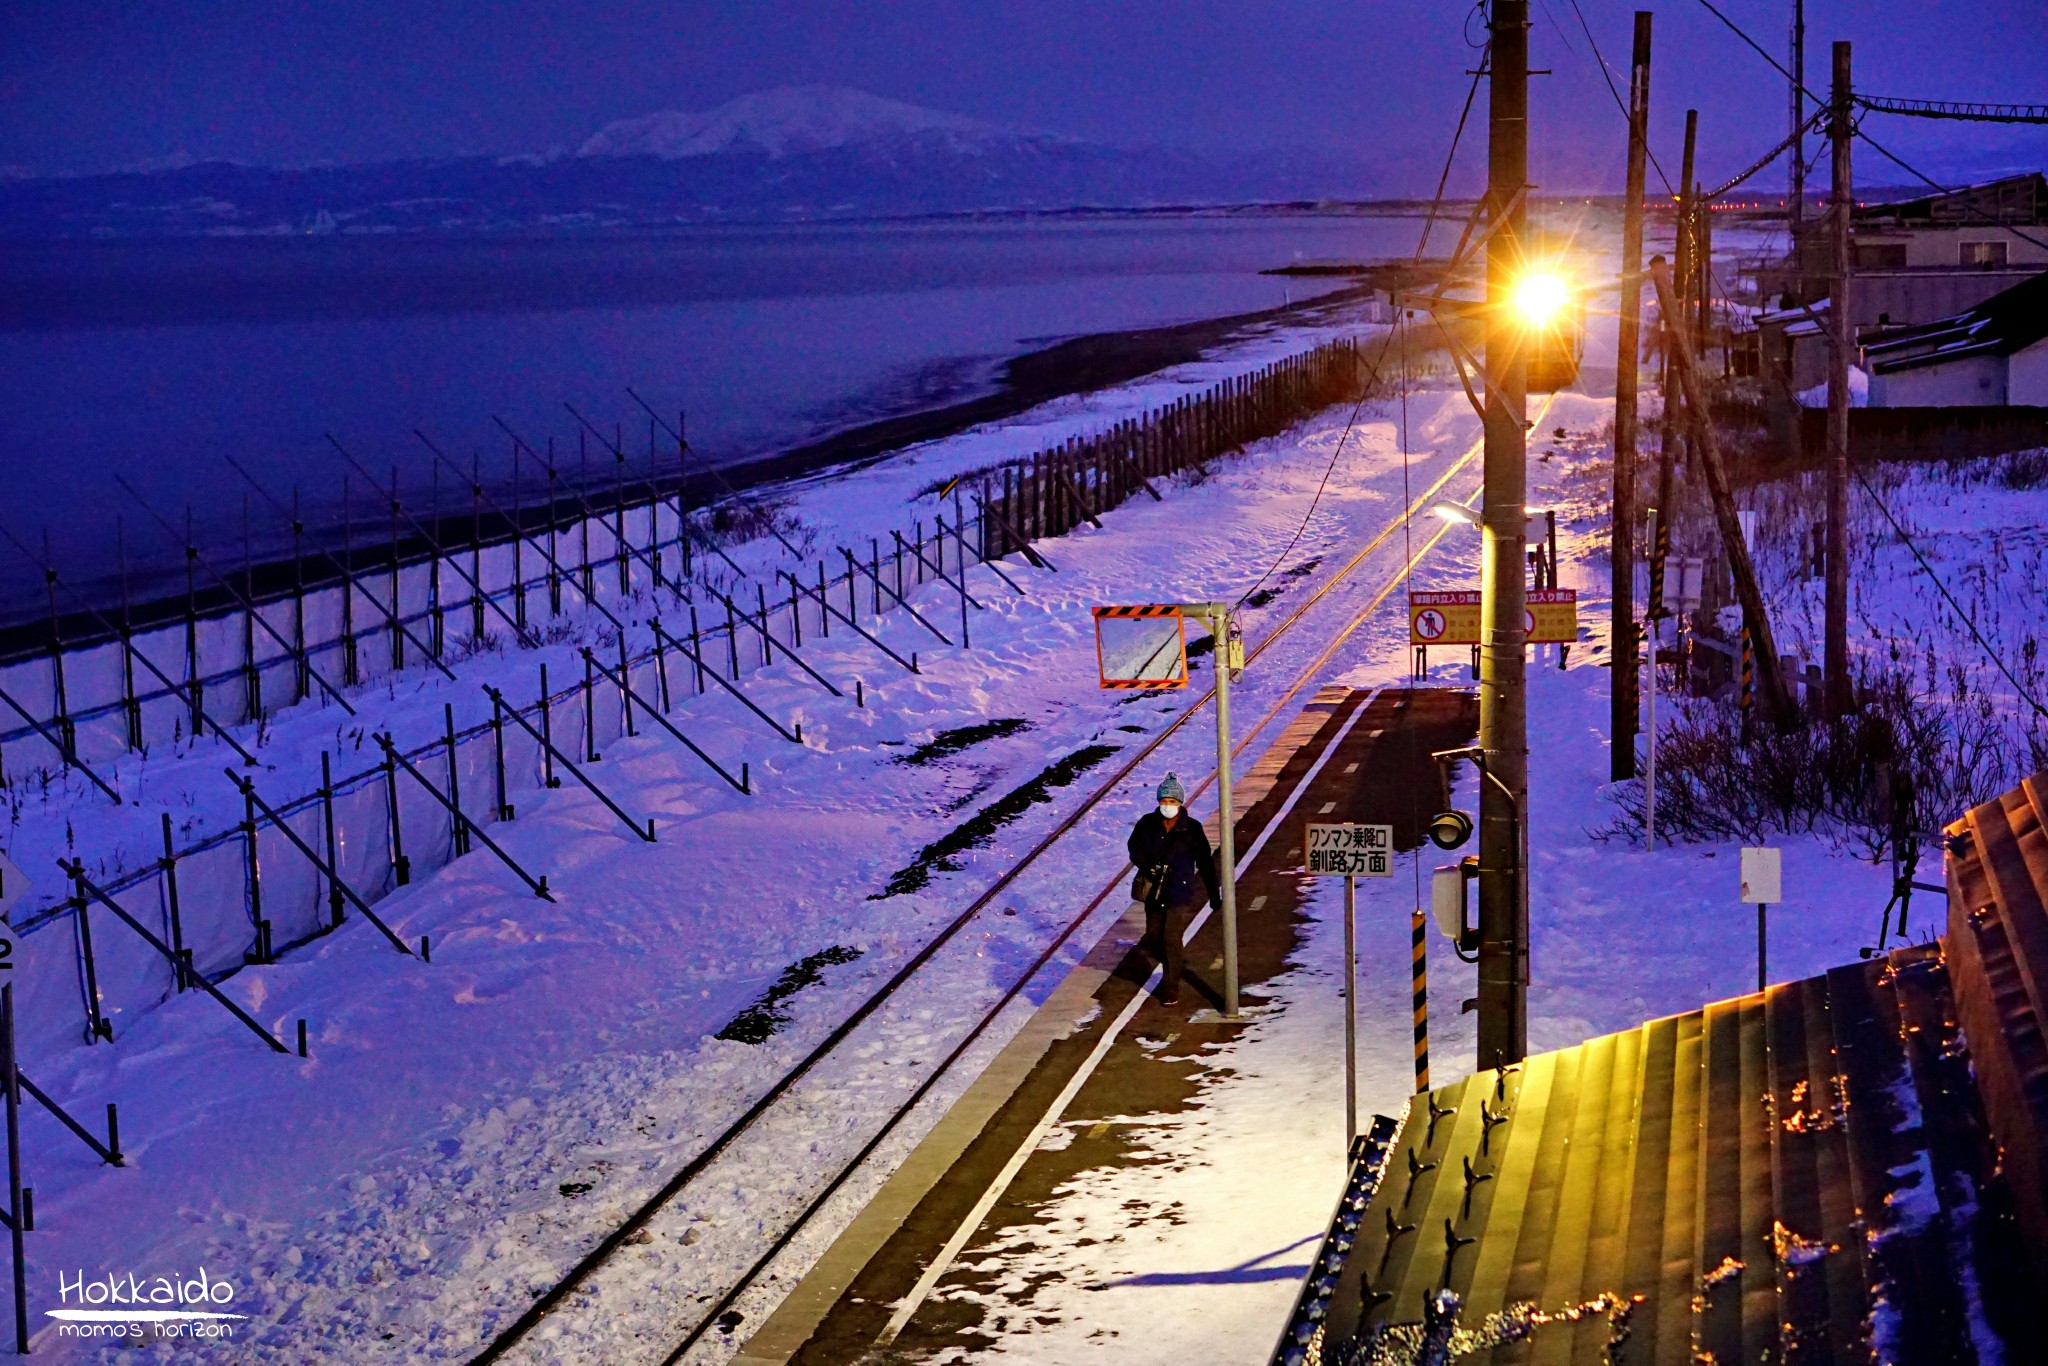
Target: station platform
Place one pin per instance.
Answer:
(938, 1264)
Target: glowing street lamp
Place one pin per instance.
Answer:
(1540, 299)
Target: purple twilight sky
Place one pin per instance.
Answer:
(93, 84)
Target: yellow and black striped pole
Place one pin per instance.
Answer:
(1420, 987)
(1748, 674)
(1660, 549)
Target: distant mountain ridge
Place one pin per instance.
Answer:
(795, 120)
(792, 154)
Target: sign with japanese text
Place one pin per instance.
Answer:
(1349, 851)
(1443, 618)
(1551, 617)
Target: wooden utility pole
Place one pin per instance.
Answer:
(1673, 433)
(1621, 723)
(1796, 203)
(1755, 617)
(1503, 716)
(1835, 605)
(1703, 270)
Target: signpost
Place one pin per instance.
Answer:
(1146, 647)
(1760, 887)
(1550, 616)
(1350, 852)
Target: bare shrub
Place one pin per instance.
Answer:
(1909, 757)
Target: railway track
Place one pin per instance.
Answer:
(623, 1234)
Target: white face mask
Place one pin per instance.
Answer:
(1169, 809)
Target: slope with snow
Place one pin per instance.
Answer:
(793, 120)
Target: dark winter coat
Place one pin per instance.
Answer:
(1190, 864)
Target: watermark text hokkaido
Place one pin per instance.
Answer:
(124, 1304)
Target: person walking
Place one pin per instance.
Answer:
(1176, 871)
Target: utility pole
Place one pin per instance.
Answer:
(1797, 202)
(1627, 375)
(1621, 723)
(1674, 427)
(1835, 611)
(1503, 718)
(1703, 269)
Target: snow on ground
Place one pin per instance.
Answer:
(64, 815)
(463, 1130)
(1195, 1248)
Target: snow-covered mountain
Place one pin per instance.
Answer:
(794, 120)
(797, 153)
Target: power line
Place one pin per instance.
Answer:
(1966, 618)
(1428, 224)
(1934, 184)
(1607, 75)
(1876, 146)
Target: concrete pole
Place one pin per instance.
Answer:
(1621, 727)
(1503, 719)
(1842, 336)
(1226, 815)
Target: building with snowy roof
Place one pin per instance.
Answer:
(1852, 1167)
(1916, 260)
(1994, 354)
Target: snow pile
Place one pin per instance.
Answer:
(1859, 391)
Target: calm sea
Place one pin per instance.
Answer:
(153, 361)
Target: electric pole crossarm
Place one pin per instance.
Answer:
(1949, 109)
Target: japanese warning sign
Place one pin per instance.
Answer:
(1349, 851)
(1550, 617)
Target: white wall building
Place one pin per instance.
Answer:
(1995, 354)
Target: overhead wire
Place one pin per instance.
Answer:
(1904, 538)
(1857, 130)
(1350, 423)
(1607, 75)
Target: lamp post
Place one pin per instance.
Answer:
(1512, 295)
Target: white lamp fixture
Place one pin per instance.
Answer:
(1454, 512)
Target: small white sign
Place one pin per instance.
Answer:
(1349, 851)
(1760, 881)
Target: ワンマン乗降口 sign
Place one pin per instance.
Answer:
(1348, 851)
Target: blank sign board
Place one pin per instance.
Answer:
(1760, 882)
(1141, 647)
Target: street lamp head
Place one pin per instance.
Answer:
(1454, 512)
(1541, 298)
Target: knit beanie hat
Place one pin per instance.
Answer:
(1172, 791)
